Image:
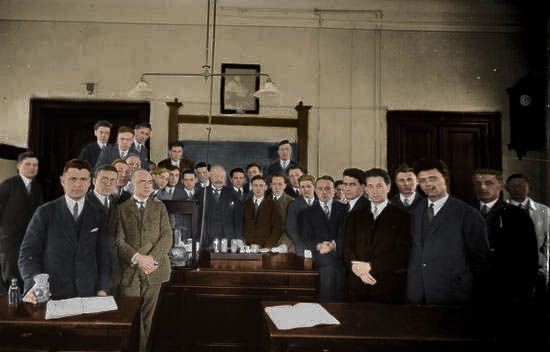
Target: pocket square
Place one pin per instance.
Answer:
(95, 229)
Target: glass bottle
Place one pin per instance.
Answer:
(14, 296)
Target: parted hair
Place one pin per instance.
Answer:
(355, 173)
(306, 178)
(496, 173)
(77, 164)
(430, 164)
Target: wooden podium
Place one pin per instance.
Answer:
(217, 306)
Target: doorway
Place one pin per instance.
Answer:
(59, 128)
(464, 141)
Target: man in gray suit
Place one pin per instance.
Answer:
(104, 181)
(67, 239)
(306, 199)
(120, 150)
(102, 131)
(450, 250)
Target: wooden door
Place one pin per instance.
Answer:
(464, 141)
(59, 128)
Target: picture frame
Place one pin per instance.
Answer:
(183, 215)
(236, 91)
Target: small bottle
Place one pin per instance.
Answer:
(216, 245)
(14, 295)
(223, 245)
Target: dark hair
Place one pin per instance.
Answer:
(258, 177)
(171, 167)
(522, 176)
(375, 172)
(403, 168)
(77, 164)
(237, 169)
(118, 161)
(202, 164)
(251, 165)
(430, 164)
(355, 173)
(338, 183)
(296, 167)
(278, 174)
(325, 177)
(175, 144)
(125, 129)
(142, 125)
(188, 172)
(284, 141)
(25, 155)
(104, 167)
(496, 173)
(102, 123)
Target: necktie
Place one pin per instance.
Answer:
(484, 210)
(309, 202)
(169, 189)
(406, 203)
(138, 147)
(141, 208)
(240, 193)
(28, 186)
(106, 202)
(75, 212)
(525, 207)
(431, 212)
(256, 206)
(375, 212)
(297, 190)
(217, 194)
(123, 155)
(326, 209)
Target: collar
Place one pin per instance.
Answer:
(101, 145)
(410, 198)
(137, 144)
(489, 205)
(328, 203)
(438, 204)
(352, 202)
(527, 201)
(71, 202)
(214, 189)
(277, 197)
(379, 206)
(237, 189)
(260, 200)
(120, 151)
(175, 162)
(312, 199)
(205, 184)
(101, 197)
(26, 181)
(137, 199)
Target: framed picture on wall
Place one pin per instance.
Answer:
(238, 84)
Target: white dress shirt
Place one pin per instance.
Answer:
(71, 202)
(438, 204)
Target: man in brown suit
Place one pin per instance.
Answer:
(376, 245)
(281, 199)
(262, 221)
(144, 236)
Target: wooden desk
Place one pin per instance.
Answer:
(383, 327)
(23, 328)
(217, 306)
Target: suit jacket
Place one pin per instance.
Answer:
(120, 196)
(78, 262)
(291, 192)
(417, 199)
(540, 215)
(314, 227)
(452, 260)
(151, 235)
(385, 243)
(231, 214)
(111, 213)
(184, 164)
(16, 209)
(511, 255)
(90, 153)
(110, 153)
(275, 167)
(266, 228)
(291, 224)
(143, 155)
(282, 204)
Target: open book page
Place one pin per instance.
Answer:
(300, 315)
(79, 305)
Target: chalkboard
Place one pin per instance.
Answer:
(232, 154)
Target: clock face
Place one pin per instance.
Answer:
(525, 100)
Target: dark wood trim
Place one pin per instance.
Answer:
(10, 152)
(301, 123)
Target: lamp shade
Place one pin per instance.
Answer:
(142, 90)
(268, 90)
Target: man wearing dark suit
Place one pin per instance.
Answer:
(104, 181)
(19, 197)
(202, 170)
(236, 176)
(406, 181)
(174, 189)
(377, 243)
(142, 133)
(67, 239)
(262, 221)
(354, 189)
(252, 170)
(319, 228)
(284, 161)
(224, 211)
(144, 236)
(307, 199)
(450, 251)
(175, 157)
(120, 150)
(120, 195)
(90, 153)
(189, 182)
(293, 187)
(282, 200)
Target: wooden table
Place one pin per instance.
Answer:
(23, 328)
(383, 327)
(217, 306)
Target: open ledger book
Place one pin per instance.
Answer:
(300, 315)
(79, 305)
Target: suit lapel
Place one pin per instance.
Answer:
(66, 222)
(441, 217)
